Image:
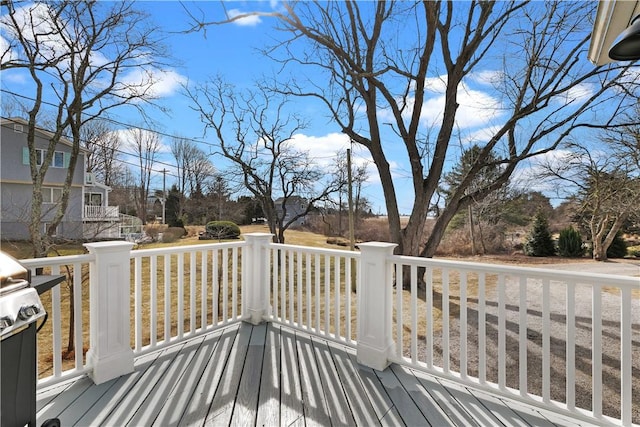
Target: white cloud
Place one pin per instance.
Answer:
(151, 83)
(481, 135)
(486, 77)
(36, 19)
(128, 137)
(529, 174)
(13, 77)
(476, 108)
(7, 53)
(322, 148)
(436, 84)
(247, 21)
(580, 92)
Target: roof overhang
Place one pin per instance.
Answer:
(612, 17)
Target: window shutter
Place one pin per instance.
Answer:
(67, 159)
(25, 155)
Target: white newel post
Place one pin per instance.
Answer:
(256, 287)
(110, 354)
(375, 340)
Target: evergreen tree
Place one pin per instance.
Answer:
(539, 242)
(172, 208)
(570, 243)
(618, 248)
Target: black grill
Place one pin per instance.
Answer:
(20, 309)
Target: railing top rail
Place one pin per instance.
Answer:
(545, 273)
(189, 248)
(315, 250)
(58, 260)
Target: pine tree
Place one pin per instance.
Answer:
(570, 243)
(539, 242)
(618, 248)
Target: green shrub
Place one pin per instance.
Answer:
(222, 230)
(634, 251)
(570, 243)
(539, 241)
(618, 248)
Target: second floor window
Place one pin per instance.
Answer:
(51, 194)
(60, 159)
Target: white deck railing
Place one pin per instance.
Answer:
(101, 213)
(520, 331)
(510, 330)
(184, 290)
(52, 367)
(311, 289)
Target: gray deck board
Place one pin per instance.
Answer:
(383, 407)
(441, 396)
(246, 403)
(359, 403)
(116, 392)
(269, 399)
(407, 409)
(430, 409)
(221, 409)
(291, 403)
(202, 397)
(337, 402)
(272, 375)
(315, 404)
(178, 401)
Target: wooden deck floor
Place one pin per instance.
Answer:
(271, 375)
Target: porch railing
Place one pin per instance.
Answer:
(510, 330)
(185, 290)
(548, 337)
(101, 213)
(63, 338)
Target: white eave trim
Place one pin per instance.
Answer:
(612, 17)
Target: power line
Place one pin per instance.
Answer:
(120, 151)
(128, 125)
(120, 123)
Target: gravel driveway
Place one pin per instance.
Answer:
(610, 337)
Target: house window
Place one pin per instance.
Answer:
(51, 195)
(93, 199)
(60, 159)
(55, 232)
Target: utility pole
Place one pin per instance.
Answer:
(352, 243)
(163, 200)
(352, 239)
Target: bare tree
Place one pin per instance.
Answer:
(77, 53)
(193, 168)
(381, 61)
(103, 150)
(606, 186)
(260, 146)
(146, 146)
(359, 176)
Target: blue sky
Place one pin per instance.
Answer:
(231, 51)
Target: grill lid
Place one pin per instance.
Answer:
(13, 275)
